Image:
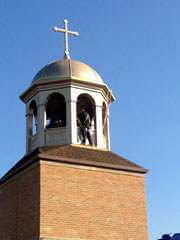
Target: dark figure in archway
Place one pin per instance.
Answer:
(84, 122)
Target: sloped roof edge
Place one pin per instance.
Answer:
(77, 156)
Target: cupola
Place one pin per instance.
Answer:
(55, 99)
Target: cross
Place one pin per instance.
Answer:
(66, 32)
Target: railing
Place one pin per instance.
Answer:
(55, 135)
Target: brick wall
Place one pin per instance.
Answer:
(83, 204)
(61, 202)
(19, 206)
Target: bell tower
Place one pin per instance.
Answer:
(69, 185)
(55, 98)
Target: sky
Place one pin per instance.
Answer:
(135, 47)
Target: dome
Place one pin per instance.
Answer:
(67, 69)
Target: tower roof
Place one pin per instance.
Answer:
(67, 69)
(75, 155)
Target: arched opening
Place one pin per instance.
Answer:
(33, 118)
(87, 104)
(55, 111)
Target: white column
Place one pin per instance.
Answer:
(40, 124)
(108, 132)
(99, 127)
(71, 133)
(28, 132)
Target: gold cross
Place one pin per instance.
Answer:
(66, 32)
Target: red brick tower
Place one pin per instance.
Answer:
(63, 189)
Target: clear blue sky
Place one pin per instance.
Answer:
(135, 47)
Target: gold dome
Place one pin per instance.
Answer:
(67, 69)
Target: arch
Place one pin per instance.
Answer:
(55, 111)
(85, 101)
(33, 117)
